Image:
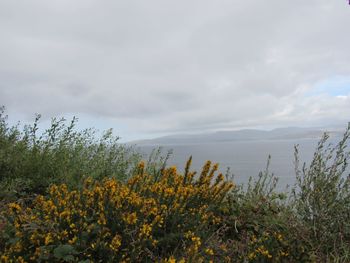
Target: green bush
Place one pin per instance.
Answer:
(30, 162)
(261, 226)
(322, 197)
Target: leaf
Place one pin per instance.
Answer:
(68, 258)
(64, 252)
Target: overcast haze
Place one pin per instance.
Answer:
(148, 68)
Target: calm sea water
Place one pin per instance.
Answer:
(245, 158)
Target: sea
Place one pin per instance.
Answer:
(244, 159)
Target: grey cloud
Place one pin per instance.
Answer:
(161, 66)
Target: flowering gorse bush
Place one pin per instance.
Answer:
(145, 219)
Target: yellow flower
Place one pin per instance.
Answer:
(169, 191)
(130, 218)
(73, 240)
(189, 234)
(146, 230)
(102, 219)
(15, 207)
(263, 251)
(196, 242)
(115, 243)
(4, 259)
(209, 251)
(251, 255)
(279, 237)
(64, 214)
(48, 239)
(141, 167)
(154, 242)
(284, 254)
(154, 211)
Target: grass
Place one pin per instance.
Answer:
(71, 196)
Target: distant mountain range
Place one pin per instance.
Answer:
(290, 133)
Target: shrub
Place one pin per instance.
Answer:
(322, 197)
(261, 226)
(29, 162)
(128, 211)
(146, 219)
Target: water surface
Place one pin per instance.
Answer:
(245, 158)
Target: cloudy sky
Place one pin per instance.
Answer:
(148, 68)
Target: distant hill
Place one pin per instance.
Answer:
(241, 135)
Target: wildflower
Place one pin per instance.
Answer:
(284, 254)
(64, 214)
(88, 182)
(263, 251)
(130, 218)
(154, 211)
(154, 242)
(115, 243)
(141, 167)
(48, 239)
(102, 219)
(73, 240)
(219, 179)
(169, 191)
(15, 207)
(251, 255)
(279, 237)
(196, 242)
(209, 251)
(4, 259)
(189, 234)
(146, 230)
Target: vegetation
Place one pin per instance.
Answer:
(69, 197)
(30, 162)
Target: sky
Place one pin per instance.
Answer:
(151, 68)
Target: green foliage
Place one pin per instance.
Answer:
(322, 196)
(30, 162)
(261, 226)
(150, 212)
(157, 162)
(64, 252)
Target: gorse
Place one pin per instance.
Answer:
(69, 196)
(144, 219)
